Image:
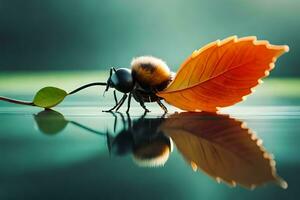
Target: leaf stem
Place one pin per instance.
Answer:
(87, 128)
(16, 101)
(87, 85)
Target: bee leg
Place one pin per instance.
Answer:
(143, 106)
(128, 103)
(109, 141)
(116, 101)
(129, 123)
(115, 97)
(162, 106)
(123, 120)
(144, 114)
(139, 99)
(118, 104)
(115, 122)
(121, 102)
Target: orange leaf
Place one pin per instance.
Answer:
(222, 147)
(221, 73)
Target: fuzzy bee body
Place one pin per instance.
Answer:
(150, 73)
(147, 76)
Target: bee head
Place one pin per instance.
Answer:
(121, 79)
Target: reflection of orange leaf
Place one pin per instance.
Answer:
(221, 73)
(222, 147)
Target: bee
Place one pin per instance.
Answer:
(147, 76)
(217, 75)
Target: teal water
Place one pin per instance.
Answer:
(50, 156)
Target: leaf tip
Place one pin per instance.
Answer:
(253, 136)
(260, 81)
(266, 155)
(244, 125)
(259, 142)
(194, 166)
(244, 98)
(282, 183)
(233, 183)
(248, 38)
(272, 65)
(195, 53)
(252, 187)
(267, 73)
(218, 179)
(286, 48)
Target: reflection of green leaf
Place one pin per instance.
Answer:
(48, 97)
(50, 121)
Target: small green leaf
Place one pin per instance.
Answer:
(48, 97)
(50, 122)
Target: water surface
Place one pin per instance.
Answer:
(68, 155)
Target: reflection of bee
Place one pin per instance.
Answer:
(143, 139)
(147, 76)
(149, 146)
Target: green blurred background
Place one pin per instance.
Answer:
(93, 34)
(68, 43)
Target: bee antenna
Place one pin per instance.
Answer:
(110, 74)
(107, 87)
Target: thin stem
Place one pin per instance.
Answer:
(16, 101)
(87, 128)
(87, 85)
